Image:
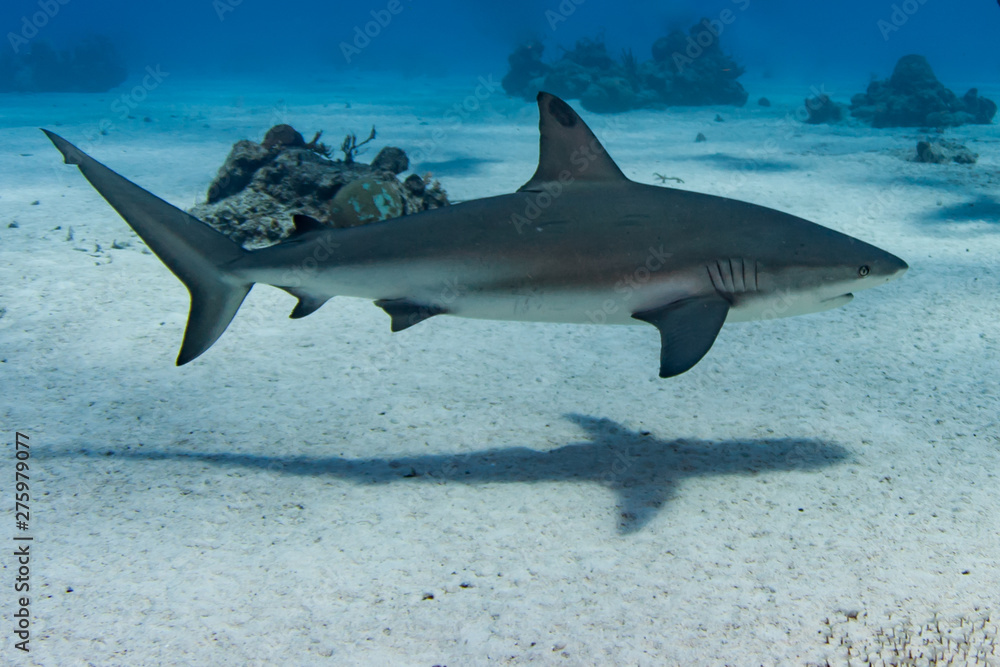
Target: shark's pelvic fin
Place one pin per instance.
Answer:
(308, 303)
(406, 313)
(688, 329)
(567, 149)
(196, 253)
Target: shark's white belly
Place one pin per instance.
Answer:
(478, 292)
(614, 308)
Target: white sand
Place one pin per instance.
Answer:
(254, 506)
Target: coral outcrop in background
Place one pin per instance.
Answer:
(913, 97)
(92, 66)
(686, 69)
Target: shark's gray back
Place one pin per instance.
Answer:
(532, 255)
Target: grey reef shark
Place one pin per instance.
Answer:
(578, 243)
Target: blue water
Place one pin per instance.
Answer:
(784, 39)
(470, 492)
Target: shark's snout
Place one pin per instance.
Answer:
(878, 267)
(894, 267)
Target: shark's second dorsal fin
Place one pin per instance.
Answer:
(304, 224)
(568, 149)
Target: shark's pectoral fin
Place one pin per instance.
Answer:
(688, 329)
(406, 313)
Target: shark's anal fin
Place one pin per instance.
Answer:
(567, 148)
(308, 303)
(406, 313)
(688, 329)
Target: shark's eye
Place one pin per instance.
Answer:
(864, 271)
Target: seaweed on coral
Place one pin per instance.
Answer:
(320, 148)
(351, 148)
(630, 64)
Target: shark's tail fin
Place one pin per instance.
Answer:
(196, 253)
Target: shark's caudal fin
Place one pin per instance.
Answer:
(567, 148)
(196, 253)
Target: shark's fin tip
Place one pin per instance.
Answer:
(568, 149)
(71, 154)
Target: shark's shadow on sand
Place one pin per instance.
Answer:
(983, 208)
(462, 166)
(642, 470)
(738, 163)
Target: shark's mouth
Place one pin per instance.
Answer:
(838, 300)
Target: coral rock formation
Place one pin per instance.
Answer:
(687, 69)
(913, 97)
(262, 185)
(822, 109)
(92, 66)
(941, 152)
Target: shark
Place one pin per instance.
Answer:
(578, 243)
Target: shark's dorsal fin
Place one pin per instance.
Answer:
(568, 150)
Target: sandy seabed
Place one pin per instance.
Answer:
(469, 492)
